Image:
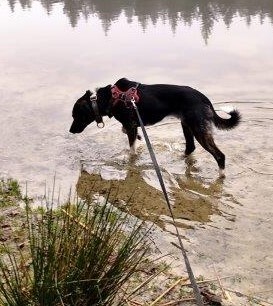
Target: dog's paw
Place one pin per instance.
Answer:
(133, 150)
(222, 173)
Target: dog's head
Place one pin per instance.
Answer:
(83, 113)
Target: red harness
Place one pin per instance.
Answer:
(124, 96)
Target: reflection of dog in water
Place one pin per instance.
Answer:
(154, 103)
(137, 193)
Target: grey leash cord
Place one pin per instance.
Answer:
(187, 263)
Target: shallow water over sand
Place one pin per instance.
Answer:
(50, 57)
(228, 222)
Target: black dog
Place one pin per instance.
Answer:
(155, 102)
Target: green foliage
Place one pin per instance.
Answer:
(9, 192)
(78, 255)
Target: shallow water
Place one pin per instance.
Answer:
(52, 51)
(228, 223)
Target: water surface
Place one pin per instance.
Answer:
(52, 51)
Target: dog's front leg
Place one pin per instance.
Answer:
(132, 136)
(125, 132)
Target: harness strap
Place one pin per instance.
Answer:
(124, 96)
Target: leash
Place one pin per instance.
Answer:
(195, 287)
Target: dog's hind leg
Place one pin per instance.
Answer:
(190, 147)
(207, 142)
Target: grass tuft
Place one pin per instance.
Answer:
(79, 254)
(9, 192)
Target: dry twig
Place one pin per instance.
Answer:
(206, 281)
(146, 282)
(258, 300)
(168, 290)
(225, 294)
(72, 217)
(178, 301)
(136, 302)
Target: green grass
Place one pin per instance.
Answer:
(9, 192)
(80, 254)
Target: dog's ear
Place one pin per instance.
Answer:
(88, 93)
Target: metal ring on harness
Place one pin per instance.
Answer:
(100, 125)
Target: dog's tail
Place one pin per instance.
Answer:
(229, 123)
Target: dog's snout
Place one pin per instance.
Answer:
(76, 127)
(73, 129)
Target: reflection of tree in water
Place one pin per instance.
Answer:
(172, 11)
